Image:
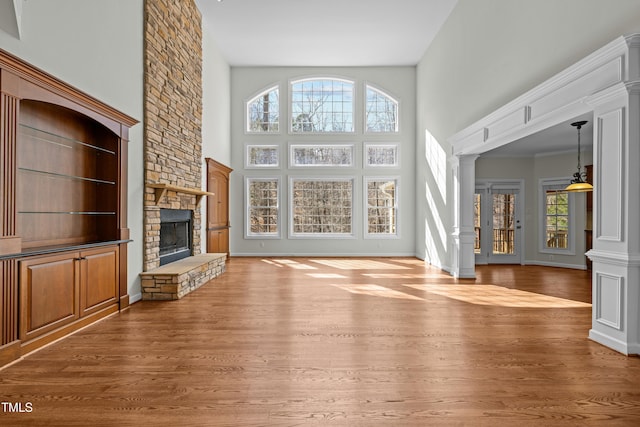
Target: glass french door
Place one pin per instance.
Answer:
(497, 223)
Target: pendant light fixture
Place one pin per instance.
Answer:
(578, 183)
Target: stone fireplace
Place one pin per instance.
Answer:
(173, 118)
(173, 150)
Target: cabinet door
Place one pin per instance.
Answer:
(218, 241)
(49, 293)
(99, 285)
(218, 204)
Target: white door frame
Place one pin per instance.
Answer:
(486, 256)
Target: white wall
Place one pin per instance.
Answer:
(216, 113)
(96, 46)
(486, 54)
(398, 82)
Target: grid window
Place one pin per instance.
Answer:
(321, 207)
(319, 106)
(381, 155)
(263, 112)
(321, 155)
(263, 209)
(382, 206)
(381, 112)
(263, 156)
(557, 219)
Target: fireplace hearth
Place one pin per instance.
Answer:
(176, 230)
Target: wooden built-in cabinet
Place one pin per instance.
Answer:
(218, 207)
(63, 222)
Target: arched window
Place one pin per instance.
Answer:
(321, 105)
(381, 112)
(263, 111)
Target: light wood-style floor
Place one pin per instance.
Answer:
(334, 341)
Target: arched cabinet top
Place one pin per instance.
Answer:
(26, 82)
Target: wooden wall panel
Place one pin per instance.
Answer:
(8, 120)
(8, 302)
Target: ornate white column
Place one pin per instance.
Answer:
(616, 234)
(463, 263)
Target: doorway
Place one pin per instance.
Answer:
(497, 222)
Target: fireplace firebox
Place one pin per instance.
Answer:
(176, 228)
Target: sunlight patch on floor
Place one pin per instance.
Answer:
(326, 275)
(498, 296)
(376, 290)
(289, 263)
(417, 262)
(268, 261)
(359, 264)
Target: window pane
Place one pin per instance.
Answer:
(322, 206)
(382, 112)
(557, 219)
(263, 112)
(321, 155)
(263, 210)
(381, 207)
(382, 155)
(262, 155)
(322, 106)
(503, 223)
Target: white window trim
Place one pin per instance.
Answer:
(293, 146)
(542, 202)
(247, 205)
(364, 108)
(365, 199)
(248, 165)
(336, 236)
(255, 96)
(322, 77)
(365, 155)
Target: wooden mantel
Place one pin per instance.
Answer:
(162, 188)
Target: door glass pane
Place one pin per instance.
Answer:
(476, 223)
(503, 223)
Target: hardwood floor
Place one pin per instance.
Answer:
(350, 342)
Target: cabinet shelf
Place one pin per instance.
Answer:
(62, 175)
(60, 140)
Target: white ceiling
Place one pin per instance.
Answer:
(338, 33)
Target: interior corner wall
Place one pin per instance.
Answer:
(95, 46)
(216, 114)
(486, 54)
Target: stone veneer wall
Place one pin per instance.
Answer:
(173, 113)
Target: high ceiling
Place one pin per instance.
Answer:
(349, 33)
(338, 33)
